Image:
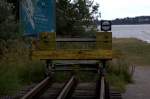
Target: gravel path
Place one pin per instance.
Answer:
(140, 89)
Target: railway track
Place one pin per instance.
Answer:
(71, 89)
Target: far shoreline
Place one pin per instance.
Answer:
(144, 41)
(130, 24)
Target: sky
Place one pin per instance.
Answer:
(112, 9)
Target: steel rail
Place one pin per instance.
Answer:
(67, 88)
(33, 92)
(102, 90)
(70, 69)
(75, 40)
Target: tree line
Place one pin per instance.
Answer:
(129, 20)
(73, 17)
(132, 20)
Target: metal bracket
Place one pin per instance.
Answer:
(50, 68)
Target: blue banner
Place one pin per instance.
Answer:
(37, 16)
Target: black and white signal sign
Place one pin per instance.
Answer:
(105, 25)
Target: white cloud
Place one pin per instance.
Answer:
(112, 9)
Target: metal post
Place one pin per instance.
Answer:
(104, 85)
(50, 68)
(103, 72)
(102, 91)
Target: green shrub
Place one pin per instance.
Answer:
(134, 50)
(119, 74)
(16, 68)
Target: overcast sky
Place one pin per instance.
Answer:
(112, 9)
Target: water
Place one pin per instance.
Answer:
(141, 32)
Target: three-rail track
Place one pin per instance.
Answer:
(72, 89)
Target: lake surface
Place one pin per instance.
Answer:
(141, 32)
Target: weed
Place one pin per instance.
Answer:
(16, 69)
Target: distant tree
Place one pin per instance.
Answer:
(8, 25)
(15, 8)
(132, 20)
(73, 16)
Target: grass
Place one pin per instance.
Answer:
(119, 74)
(128, 52)
(81, 76)
(16, 69)
(135, 51)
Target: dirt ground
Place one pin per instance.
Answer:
(140, 89)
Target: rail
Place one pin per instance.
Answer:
(67, 88)
(39, 87)
(75, 40)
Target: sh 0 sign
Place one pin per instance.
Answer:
(37, 16)
(105, 25)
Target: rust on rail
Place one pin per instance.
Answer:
(33, 92)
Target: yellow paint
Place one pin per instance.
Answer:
(47, 41)
(104, 40)
(73, 54)
(45, 48)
